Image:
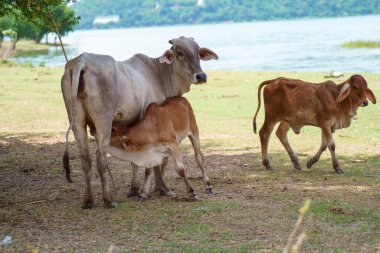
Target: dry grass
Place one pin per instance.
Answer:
(255, 210)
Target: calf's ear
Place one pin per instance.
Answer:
(344, 92)
(369, 94)
(167, 57)
(207, 54)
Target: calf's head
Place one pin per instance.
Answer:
(185, 55)
(355, 89)
(118, 134)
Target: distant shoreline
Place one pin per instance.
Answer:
(225, 22)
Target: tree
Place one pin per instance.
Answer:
(32, 19)
(36, 11)
(63, 17)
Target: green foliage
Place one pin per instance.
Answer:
(10, 33)
(28, 27)
(167, 12)
(362, 44)
(37, 12)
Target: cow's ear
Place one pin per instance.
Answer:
(344, 92)
(167, 57)
(207, 54)
(369, 94)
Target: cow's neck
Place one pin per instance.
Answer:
(345, 110)
(172, 83)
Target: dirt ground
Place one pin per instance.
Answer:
(254, 210)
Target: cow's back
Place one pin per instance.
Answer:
(291, 100)
(172, 118)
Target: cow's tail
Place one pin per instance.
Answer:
(75, 72)
(259, 103)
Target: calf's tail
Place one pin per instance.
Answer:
(259, 103)
(75, 72)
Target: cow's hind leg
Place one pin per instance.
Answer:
(103, 136)
(316, 157)
(135, 184)
(282, 134)
(326, 131)
(80, 133)
(199, 157)
(265, 133)
(180, 168)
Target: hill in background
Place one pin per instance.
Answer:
(131, 13)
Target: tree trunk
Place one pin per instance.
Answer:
(13, 47)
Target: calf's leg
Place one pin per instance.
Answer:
(159, 173)
(282, 134)
(200, 161)
(135, 184)
(265, 133)
(326, 131)
(145, 191)
(180, 168)
(316, 157)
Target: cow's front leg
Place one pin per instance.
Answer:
(331, 145)
(135, 184)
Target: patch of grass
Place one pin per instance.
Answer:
(362, 44)
(255, 210)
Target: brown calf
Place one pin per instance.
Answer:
(295, 103)
(153, 139)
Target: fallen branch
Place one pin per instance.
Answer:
(43, 200)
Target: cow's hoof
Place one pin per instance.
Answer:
(141, 199)
(193, 197)
(309, 164)
(271, 169)
(210, 191)
(133, 192)
(165, 193)
(109, 204)
(169, 194)
(339, 171)
(87, 204)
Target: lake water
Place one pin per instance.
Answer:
(294, 45)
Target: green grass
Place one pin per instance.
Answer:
(362, 44)
(254, 211)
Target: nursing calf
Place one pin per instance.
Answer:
(156, 137)
(295, 103)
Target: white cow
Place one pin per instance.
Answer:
(98, 90)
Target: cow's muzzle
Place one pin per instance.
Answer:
(200, 78)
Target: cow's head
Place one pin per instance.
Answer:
(355, 88)
(185, 55)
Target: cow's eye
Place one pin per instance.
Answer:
(180, 54)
